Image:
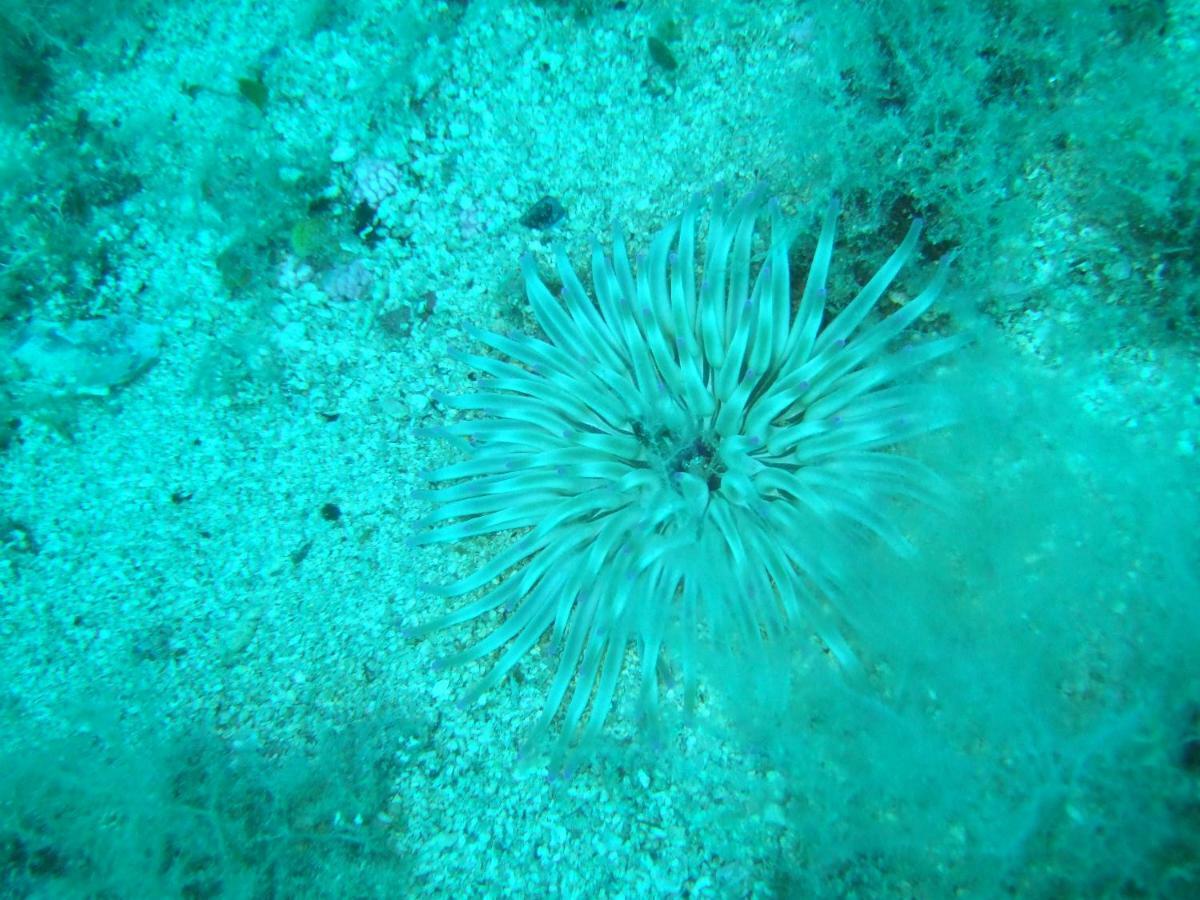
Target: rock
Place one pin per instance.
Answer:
(88, 357)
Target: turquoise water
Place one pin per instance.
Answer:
(245, 248)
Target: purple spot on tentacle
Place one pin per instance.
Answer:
(805, 385)
(840, 342)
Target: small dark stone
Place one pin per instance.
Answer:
(1189, 746)
(254, 90)
(298, 555)
(661, 54)
(83, 124)
(1189, 757)
(331, 512)
(75, 204)
(8, 433)
(362, 218)
(427, 305)
(178, 497)
(544, 214)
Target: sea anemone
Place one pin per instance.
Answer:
(686, 457)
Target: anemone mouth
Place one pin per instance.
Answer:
(686, 452)
(692, 451)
